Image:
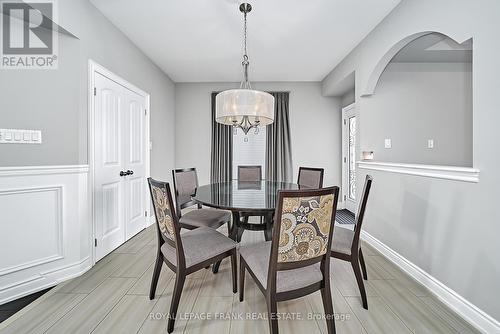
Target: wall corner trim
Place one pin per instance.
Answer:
(463, 174)
(471, 313)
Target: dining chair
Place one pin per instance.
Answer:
(185, 184)
(346, 245)
(249, 174)
(310, 177)
(187, 253)
(296, 262)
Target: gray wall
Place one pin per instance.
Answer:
(315, 123)
(57, 102)
(348, 98)
(434, 223)
(415, 102)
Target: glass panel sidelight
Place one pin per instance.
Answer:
(352, 158)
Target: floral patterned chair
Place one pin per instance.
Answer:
(297, 260)
(187, 253)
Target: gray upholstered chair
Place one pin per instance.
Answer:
(297, 260)
(248, 174)
(186, 253)
(346, 246)
(310, 177)
(185, 184)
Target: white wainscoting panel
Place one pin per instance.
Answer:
(45, 230)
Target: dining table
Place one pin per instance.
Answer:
(251, 198)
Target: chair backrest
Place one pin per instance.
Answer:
(310, 177)
(167, 222)
(249, 173)
(304, 221)
(361, 212)
(185, 184)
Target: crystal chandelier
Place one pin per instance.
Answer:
(244, 108)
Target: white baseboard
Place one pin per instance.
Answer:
(476, 317)
(43, 280)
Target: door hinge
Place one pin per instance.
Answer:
(344, 197)
(345, 122)
(95, 91)
(345, 159)
(95, 242)
(145, 112)
(145, 213)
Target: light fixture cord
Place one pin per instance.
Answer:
(245, 63)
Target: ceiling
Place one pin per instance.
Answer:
(435, 48)
(201, 40)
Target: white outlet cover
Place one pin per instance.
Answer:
(430, 143)
(388, 143)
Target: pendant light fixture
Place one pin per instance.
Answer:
(244, 108)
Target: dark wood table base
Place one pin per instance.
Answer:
(239, 226)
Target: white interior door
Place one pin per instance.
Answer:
(135, 163)
(120, 162)
(349, 132)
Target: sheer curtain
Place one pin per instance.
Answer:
(278, 146)
(221, 165)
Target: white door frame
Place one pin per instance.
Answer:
(347, 112)
(94, 68)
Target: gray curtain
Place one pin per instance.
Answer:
(278, 146)
(221, 167)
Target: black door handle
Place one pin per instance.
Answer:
(130, 172)
(122, 173)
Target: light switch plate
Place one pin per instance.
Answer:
(18, 136)
(388, 143)
(430, 143)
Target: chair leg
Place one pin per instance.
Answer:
(363, 266)
(242, 279)
(359, 279)
(326, 295)
(272, 313)
(174, 304)
(156, 276)
(215, 267)
(234, 271)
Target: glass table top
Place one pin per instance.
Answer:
(241, 196)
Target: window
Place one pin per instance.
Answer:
(249, 150)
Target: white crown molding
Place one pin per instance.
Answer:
(464, 174)
(471, 313)
(43, 170)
